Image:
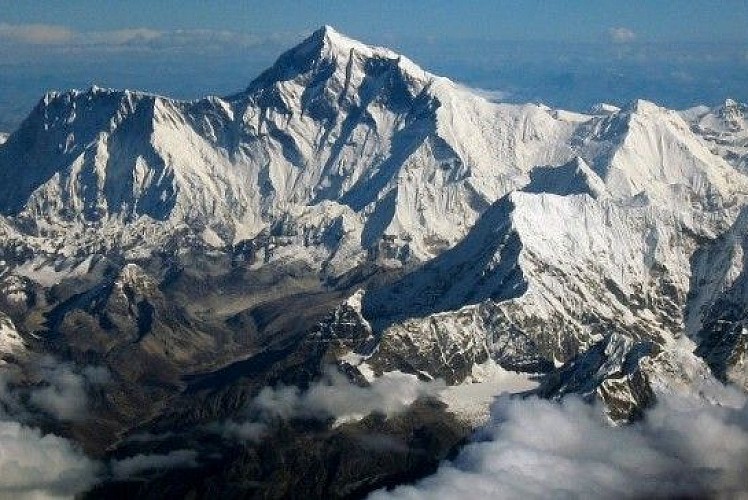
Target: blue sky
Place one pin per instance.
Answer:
(564, 53)
(587, 20)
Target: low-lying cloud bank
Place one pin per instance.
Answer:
(335, 396)
(535, 448)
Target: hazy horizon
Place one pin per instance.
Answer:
(676, 54)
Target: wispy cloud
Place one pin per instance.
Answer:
(132, 466)
(621, 35)
(333, 397)
(63, 392)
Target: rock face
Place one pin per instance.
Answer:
(351, 210)
(610, 370)
(718, 312)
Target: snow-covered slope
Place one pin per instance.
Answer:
(539, 279)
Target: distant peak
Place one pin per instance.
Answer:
(731, 106)
(734, 112)
(730, 103)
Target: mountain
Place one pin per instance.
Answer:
(725, 128)
(353, 214)
(400, 152)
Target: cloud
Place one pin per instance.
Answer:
(54, 36)
(36, 34)
(621, 35)
(63, 392)
(132, 466)
(252, 432)
(534, 448)
(59, 389)
(334, 396)
(34, 465)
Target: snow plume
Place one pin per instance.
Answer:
(491, 95)
(535, 448)
(332, 397)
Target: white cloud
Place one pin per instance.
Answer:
(132, 466)
(539, 449)
(251, 432)
(621, 35)
(34, 464)
(335, 396)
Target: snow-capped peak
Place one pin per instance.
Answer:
(334, 42)
(327, 54)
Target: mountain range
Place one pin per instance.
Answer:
(352, 215)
